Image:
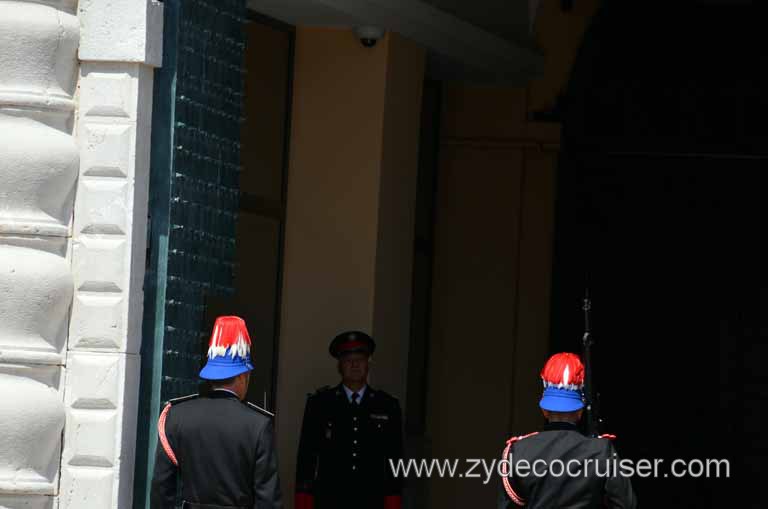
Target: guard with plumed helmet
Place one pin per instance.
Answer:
(590, 481)
(218, 446)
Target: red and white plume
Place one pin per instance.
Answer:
(229, 332)
(563, 371)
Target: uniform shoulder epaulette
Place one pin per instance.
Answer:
(182, 399)
(521, 437)
(262, 411)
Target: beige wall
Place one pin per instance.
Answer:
(490, 314)
(493, 253)
(397, 201)
(473, 313)
(348, 243)
(531, 335)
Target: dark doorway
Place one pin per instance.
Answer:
(673, 256)
(660, 211)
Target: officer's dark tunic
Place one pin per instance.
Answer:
(225, 453)
(345, 448)
(563, 441)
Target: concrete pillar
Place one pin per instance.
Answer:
(350, 213)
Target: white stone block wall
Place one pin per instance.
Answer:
(38, 172)
(71, 289)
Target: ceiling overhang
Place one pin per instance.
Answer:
(458, 49)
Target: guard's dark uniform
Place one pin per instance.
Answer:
(345, 448)
(563, 441)
(225, 455)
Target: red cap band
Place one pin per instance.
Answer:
(351, 345)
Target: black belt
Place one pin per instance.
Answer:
(192, 505)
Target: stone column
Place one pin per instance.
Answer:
(121, 43)
(38, 171)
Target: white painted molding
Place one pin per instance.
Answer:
(121, 31)
(109, 243)
(108, 252)
(99, 445)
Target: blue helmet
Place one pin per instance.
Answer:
(229, 351)
(563, 377)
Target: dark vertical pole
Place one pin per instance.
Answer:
(589, 395)
(284, 202)
(421, 300)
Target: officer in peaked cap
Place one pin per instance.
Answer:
(219, 446)
(349, 434)
(591, 482)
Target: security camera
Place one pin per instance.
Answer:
(369, 35)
